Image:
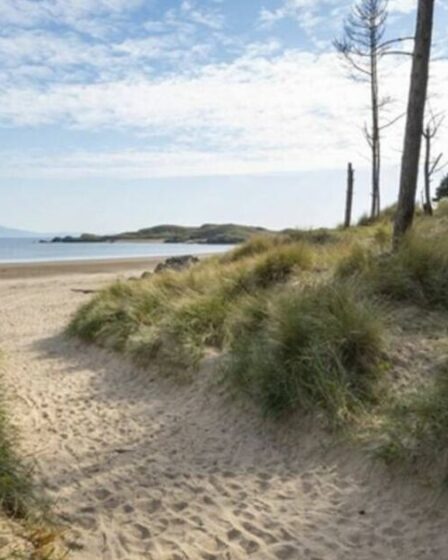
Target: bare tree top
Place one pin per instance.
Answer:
(363, 37)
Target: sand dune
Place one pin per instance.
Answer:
(139, 468)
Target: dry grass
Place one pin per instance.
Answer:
(175, 317)
(301, 324)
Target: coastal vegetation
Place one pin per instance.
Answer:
(16, 495)
(214, 234)
(20, 504)
(304, 323)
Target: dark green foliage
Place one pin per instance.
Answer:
(442, 190)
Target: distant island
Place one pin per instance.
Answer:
(213, 234)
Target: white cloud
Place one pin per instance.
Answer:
(268, 110)
(50, 39)
(294, 112)
(28, 13)
(402, 6)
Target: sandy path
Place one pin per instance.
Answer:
(140, 469)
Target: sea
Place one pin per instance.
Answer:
(31, 250)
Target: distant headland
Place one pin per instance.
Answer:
(213, 234)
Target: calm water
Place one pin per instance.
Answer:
(30, 250)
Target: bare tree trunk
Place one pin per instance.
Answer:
(427, 205)
(415, 115)
(375, 132)
(349, 200)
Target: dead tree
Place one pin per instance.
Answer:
(431, 165)
(349, 199)
(415, 116)
(362, 47)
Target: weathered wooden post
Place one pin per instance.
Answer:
(349, 199)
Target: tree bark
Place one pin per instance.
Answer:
(415, 115)
(349, 200)
(375, 210)
(427, 205)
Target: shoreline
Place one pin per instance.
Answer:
(12, 271)
(23, 270)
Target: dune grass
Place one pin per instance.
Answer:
(302, 321)
(20, 501)
(289, 343)
(175, 317)
(416, 273)
(305, 348)
(16, 490)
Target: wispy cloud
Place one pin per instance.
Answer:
(175, 77)
(256, 114)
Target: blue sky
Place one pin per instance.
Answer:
(119, 114)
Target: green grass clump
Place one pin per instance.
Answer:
(358, 261)
(16, 491)
(109, 318)
(277, 266)
(417, 272)
(307, 348)
(17, 498)
(180, 337)
(175, 316)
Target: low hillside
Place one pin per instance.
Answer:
(208, 233)
(330, 323)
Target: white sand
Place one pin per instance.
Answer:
(143, 469)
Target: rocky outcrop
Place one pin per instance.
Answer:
(177, 263)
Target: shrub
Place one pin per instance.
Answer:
(317, 347)
(442, 190)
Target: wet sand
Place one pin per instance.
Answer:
(42, 269)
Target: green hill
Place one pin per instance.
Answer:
(207, 233)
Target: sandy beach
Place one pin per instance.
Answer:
(141, 468)
(97, 266)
